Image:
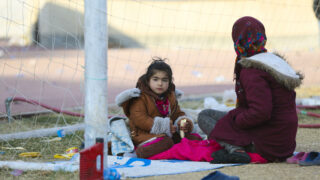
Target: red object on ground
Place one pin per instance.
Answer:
(91, 162)
(194, 150)
(57, 110)
(309, 125)
(34, 102)
(308, 114)
(308, 106)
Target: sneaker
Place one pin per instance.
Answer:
(295, 159)
(219, 156)
(313, 158)
(223, 157)
(238, 157)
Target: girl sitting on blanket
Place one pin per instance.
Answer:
(265, 120)
(153, 111)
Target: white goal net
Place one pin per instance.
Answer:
(42, 59)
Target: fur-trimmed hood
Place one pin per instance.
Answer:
(276, 66)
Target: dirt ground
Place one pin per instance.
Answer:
(307, 140)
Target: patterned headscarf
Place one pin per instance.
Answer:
(248, 35)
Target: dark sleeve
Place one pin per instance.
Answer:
(258, 97)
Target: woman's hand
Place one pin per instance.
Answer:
(186, 127)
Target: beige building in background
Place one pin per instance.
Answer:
(191, 24)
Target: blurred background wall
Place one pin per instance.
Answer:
(177, 24)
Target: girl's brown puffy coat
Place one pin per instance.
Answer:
(141, 112)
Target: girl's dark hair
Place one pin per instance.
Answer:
(158, 64)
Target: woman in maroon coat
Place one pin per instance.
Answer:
(265, 119)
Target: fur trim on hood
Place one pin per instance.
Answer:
(276, 66)
(126, 95)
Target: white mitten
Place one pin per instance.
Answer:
(161, 126)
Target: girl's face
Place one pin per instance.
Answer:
(159, 82)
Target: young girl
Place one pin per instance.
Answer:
(153, 111)
(265, 119)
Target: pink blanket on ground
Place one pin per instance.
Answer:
(194, 150)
